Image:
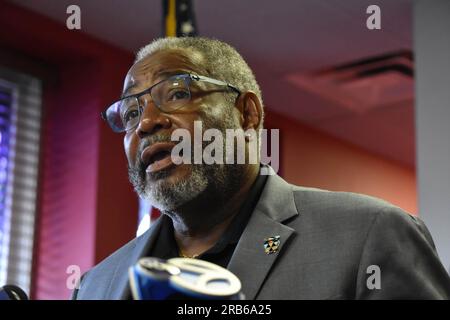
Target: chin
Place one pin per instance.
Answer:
(173, 189)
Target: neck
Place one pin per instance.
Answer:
(201, 223)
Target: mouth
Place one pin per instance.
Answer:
(157, 157)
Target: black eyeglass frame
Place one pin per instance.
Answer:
(186, 76)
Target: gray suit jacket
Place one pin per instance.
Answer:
(328, 243)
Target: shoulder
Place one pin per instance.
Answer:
(96, 282)
(345, 205)
(332, 200)
(352, 215)
(115, 257)
(311, 208)
(134, 245)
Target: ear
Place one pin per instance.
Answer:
(251, 110)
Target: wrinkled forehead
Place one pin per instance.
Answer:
(160, 65)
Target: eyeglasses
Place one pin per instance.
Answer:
(168, 95)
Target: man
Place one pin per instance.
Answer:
(282, 241)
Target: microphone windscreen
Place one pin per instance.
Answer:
(12, 292)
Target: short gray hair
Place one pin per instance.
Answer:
(221, 61)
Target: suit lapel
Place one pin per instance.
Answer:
(250, 263)
(119, 288)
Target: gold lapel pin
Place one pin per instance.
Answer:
(271, 244)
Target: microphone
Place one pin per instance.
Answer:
(12, 292)
(181, 279)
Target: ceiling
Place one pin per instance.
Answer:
(280, 40)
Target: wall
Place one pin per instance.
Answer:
(311, 158)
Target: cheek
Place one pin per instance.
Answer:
(186, 122)
(130, 145)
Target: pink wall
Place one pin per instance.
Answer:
(87, 208)
(311, 158)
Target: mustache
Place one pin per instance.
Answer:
(144, 143)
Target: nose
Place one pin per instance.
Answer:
(152, 120)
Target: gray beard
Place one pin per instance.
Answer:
(167, 196)
(219, 179)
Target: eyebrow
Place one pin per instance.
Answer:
(168, 73)
(124, 93)
(164, 74)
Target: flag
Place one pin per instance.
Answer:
(179, 18)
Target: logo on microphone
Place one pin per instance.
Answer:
(182, 278)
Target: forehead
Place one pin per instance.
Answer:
(162, 63)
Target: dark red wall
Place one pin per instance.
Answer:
(87, 208)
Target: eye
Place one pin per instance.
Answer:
(130, 115)
(178, 94)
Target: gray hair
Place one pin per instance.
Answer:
(220, 60)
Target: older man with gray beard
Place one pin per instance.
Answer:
(281, 240)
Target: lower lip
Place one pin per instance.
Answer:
(160, 165)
